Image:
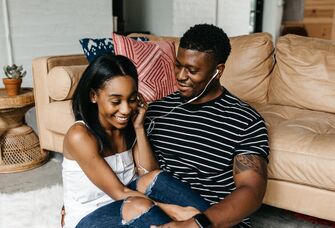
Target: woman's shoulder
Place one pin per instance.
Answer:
(78, 131)
(77, 138)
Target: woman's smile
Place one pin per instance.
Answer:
(122, 119)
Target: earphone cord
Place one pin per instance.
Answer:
(149, 130)
(152, 121)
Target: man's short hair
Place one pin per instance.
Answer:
(207, 38)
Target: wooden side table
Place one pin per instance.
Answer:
(19, 145)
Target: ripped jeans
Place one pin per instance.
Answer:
(164, 188)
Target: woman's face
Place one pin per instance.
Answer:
(116, 101)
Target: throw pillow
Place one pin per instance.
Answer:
(95, 47)
(154, 62)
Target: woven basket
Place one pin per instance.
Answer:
(20, 150)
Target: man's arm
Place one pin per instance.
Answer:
(250, 176)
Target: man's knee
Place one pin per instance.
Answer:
(135, 206)
(146, 180)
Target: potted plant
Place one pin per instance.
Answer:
(13, 80)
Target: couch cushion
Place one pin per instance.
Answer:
(59, 116)
(304, 75)
(248, 67)
(302, 145)
(154, 62)
(94, 47)
(62, 81)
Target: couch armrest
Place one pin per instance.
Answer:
(41, 67)
(65, 60)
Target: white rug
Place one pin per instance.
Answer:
(35, 209)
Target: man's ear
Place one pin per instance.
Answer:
(221, 68)
(93, 96)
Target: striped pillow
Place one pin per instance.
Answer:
(154, 62)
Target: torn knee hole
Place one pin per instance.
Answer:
(146, 181)
(134, 207)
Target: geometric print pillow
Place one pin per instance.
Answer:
(154, 62)
(95, 47)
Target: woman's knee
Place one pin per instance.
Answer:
(147, 180)
(135, 206)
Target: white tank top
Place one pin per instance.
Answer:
(81, 196)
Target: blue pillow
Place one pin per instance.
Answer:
(95, 47)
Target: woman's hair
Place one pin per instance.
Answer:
(207, 38)
(101, 70)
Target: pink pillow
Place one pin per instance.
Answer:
(154, 62)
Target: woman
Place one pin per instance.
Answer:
(107, 148)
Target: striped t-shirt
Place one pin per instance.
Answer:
(197, 143)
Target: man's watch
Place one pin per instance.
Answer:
(202, 220)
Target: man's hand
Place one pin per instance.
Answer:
(181, 224)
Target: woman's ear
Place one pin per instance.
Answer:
(93, 96)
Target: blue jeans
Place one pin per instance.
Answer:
(164, 188)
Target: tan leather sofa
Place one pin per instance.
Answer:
(291, 85)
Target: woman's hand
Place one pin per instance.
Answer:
(178, 213)
(139, 116)
(190, 223)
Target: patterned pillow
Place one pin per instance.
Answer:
(154, 62)
(95, 47)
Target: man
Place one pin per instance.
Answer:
(206, 136)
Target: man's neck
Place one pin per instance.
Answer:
(213, 94)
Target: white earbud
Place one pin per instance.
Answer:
(216, 73)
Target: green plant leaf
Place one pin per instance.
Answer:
(14, 71)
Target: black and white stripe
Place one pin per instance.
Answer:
(197, 143)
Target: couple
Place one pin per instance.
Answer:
(211, 147)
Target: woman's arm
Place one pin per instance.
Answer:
(81, 146)
(144, 157)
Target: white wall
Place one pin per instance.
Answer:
(51, 27)
(187, 13)
(272, 17)
(174, 17)
(234, 16)
(2, 43)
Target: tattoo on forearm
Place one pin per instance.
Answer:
(250, 161)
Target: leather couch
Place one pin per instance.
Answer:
(292, 85)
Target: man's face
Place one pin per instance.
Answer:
(193, 71)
